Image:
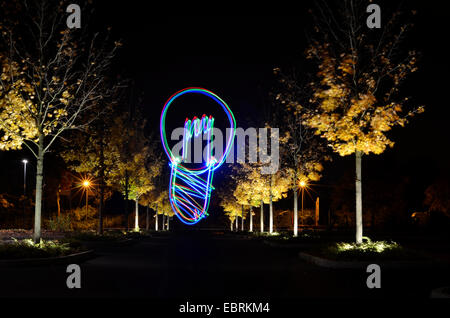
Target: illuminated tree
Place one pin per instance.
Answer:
(158, 198)
(152, 200)
(51, 76)
(142, 174)
(244, 192)
(300, 150)
(356, 97)
(138, 162)
(166, 210)
(251, 188)
(279, 184)
(100, 145)
(230, 206)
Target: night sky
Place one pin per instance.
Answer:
(234, 56)
(232, 50)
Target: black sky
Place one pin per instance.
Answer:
(232, 50)
(169, 48)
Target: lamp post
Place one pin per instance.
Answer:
(302, 186)
(87, 185)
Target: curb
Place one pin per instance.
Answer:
(328, 263)
(58, 260)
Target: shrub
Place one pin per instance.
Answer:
(60, 223)
(28, 249)
(368, 250)
(76, 219)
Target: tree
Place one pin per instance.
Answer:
(100, 145)
(166, 210)
(230, 206)
(301, 151)
(138, 163)
(143, 172)
(158, 197)
(252, 188)
(51, 76)
(244, 192)
(356, 98)
(437, 196)
(279, 185)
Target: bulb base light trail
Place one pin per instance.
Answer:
(190, 189)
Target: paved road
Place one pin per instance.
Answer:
(190, 266)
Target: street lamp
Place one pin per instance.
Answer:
(302, 186)
(87, 185)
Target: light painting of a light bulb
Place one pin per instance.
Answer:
(190, 189)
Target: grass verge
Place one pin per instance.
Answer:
(370, 251)
(27, 249)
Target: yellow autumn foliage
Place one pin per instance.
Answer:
(348, 113)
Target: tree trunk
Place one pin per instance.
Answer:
(242, 219)
(271, 208)
(251, 219)
(156, 219)
(302, 216)
(147, 220)
(271, 216)
(164, 221)
(262, 217)
(316, 219)
(58, 200)
(127, 225)
(136, 216)
(100, 208)
(231, 225)
(295, 211)
(237, 223)
(70, 196)
(359, 223)
(102, 186)
(168, 223)
(38, 198)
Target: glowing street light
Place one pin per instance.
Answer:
(303, 185)
(87, 185)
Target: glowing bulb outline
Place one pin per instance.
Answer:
(221, 102)
(181, 200)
